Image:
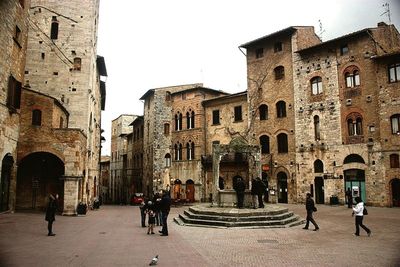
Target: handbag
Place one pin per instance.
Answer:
(365, 211)
(314, 209)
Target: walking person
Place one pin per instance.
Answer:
(152, 217)
(310, 207)
(349, 198)
(358, 210)
(239, 188)
(165, 206)
(51, 213)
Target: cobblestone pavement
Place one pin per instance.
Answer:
(112, 236)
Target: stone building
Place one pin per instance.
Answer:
(104, 179)
(347, 116)
(174, 139)
(271, 100)
(120, 128)
(13, 40)
(63, 96)
(135, 153)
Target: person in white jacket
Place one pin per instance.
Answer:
(358, 210)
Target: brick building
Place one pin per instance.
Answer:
(13, 40)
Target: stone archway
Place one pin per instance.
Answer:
(39, 174)
(6, 169)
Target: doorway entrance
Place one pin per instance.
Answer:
(39, 174)
(177, 189)
(319, 190)
(355, 180)
(190, 190)
(282, 188)
(6, 168)
(395, 186)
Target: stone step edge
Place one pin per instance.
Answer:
(271, 217)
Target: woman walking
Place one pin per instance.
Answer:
(358, 210)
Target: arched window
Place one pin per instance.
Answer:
(353, 158)
(281, 109)
(264, 143)
(190, 150)
(318, 166)
(317, 135)
(178, 121)
(395, 123)
(168, 160)
(178, 151)
(316, 85)
(190, 119)
(394, 161)
(354, 124)
(263, 110)
(54, 28)
(352, 76)
(282, 143)
(279, 72)
(37, 117)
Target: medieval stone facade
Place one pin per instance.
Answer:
(62, 96)
(13, 40)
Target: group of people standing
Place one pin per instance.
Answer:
(157, 211)
(258, 189)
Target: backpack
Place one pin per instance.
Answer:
(365, 211)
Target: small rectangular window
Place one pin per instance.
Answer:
(238, 113)
(13, 93)
(344, 49)
(259, 52)
(394, 73)
(77, 63)
(215, 118)
(166, 128)
(54, 28)
(277, 47)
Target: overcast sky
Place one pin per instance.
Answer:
(156, 43)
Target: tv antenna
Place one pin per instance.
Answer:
(387, 11)
(321, 30)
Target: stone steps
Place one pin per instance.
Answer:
(269, 217)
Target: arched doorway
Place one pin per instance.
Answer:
(190, 190)
(395, 187)
(282, 187)
(355, 177)
(177, 189)
(39, 174)
(6, 168)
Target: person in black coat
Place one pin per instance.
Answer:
(260, 189)
(240, 187)
(349, 198)
(51, 210)
(310, 207)
(165, 206)
(157, 203)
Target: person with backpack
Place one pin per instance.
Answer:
(359, 211)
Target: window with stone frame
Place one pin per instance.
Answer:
(264, 143)
(178, 151)
(317, 134)
(394, 72)
(77, 63)
(278, 47)
(316, 85)
(190, 150)
(263, 110)
(168, 160)
(190, 119)
(395, 124)
(344, 49)
(166, 128)
(281, 109)
(54, 28)
(394, 161)
(37, 117)
(282, 143)
(13, 93)
(279, 72)
(259, 52)
(215, 117)
(352, 77)
(238, 113)
(354, 124)
(178, 121)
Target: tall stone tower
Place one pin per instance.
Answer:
(62, 62)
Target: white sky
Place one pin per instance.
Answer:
(157, 43)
